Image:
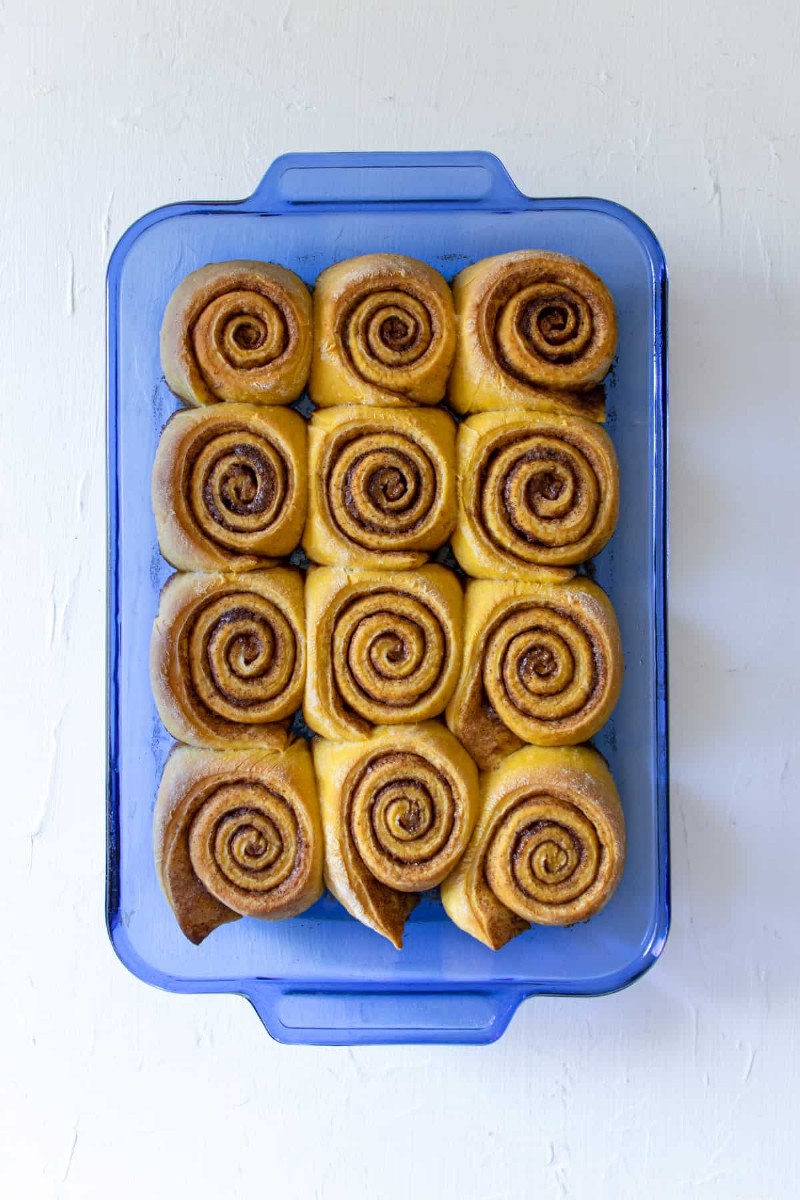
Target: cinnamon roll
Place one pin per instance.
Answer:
(548, 848)
(542, 664)
(537, 493)
(237, 833)
(383, 649)
(228, 658)
(230, 487)
(384, 333)
(397, 811)
(238, 331)
(381, 486)
(536, 329)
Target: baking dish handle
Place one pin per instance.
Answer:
(471, 179)
(342, 1017)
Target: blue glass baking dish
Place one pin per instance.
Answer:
(323, 978)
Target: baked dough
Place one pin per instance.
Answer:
(548, 848)
(230, 487)
(537, 493)
(397, 810)
(237, 833)
(542, 664)
(384, 333)
(383, 648)
(228, 657)
(238, 331)
(535, 329)
(381, 486)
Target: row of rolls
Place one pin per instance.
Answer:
(259, 833)
(518, 495)
(399, 673)
(532, 328)
(233, 657)
(449, 719)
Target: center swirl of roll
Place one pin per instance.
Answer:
(237, 484)
(389, 650)
(402, 814)
(244, 840)
(381, 487)
(242, 653)
(537, 492)
(543, 321)
(539, 663)
(545, 851)
(387, 331)
(240, 329)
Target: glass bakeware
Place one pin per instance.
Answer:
(323, 978)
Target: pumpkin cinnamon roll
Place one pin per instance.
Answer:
(537, 493)
(542, 664)
(548, 848)
(536, 329)
(228, 657)
(384, 333)
(383, 649)
(238, 331)
(397, 811)
(230, 487)
(237, 833)
(381, 486)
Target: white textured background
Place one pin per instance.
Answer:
(686, 1084)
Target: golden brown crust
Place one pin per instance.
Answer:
(237, 833)
(230, 487)
(228, 658)
(397, 811)
(240, 332)
(381, 486)
(384, 333)
(537, 493)
(536, 329)
(548, 848)
(542, 664)
(383, 648)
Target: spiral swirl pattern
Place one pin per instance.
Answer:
(242, 655)
(398, 809)
(549, 846)
(245, 843)
(383, 487)
(236, 487)
(544, 322)
(546, 853)
(237, 833)
(402, 816)
(550, 321)
(537, 494)
(543, 665)
(385, 332)
(238, 331)
(380, 652)
(532, 323)
(228, 656)
(389, 653)
(540, 667)
(229, 487)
